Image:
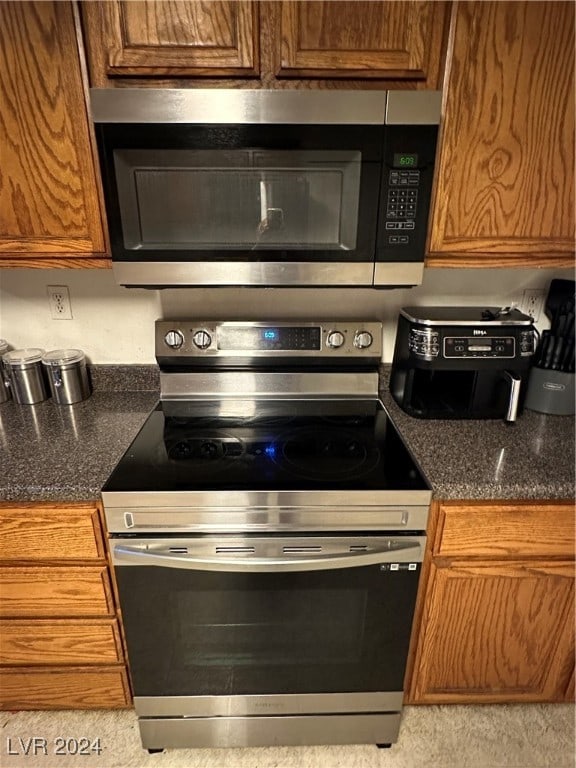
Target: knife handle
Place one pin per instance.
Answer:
(547, 362)
(566, 354)
(542, 349)
(556, 355)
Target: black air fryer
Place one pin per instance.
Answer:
(462, 362)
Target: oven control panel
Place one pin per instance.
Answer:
(179, 339)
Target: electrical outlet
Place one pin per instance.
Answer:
(533, 302)
(59, 301)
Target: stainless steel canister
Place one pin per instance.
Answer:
(4, 389)
(67, 375)
(25, 376)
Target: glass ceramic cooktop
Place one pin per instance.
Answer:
(267, 445)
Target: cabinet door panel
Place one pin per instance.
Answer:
(498, 530)
(505, 178)
(362, 39)
(59, 641)
(497, 632)
(48, 190)
(44, 532)
(174, 38)
(63, 688)
(54, 591)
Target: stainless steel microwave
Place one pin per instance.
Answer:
(214, 187)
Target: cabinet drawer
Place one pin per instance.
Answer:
(50, 533)
(509, 529)
(67, 688)
(60, 641)
(43, 591)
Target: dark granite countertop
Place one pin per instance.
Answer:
(531, 459)
(66, 453)
(50, 452)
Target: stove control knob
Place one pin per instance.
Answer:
(335, 339)
(362, 339)
(202, 339)
(174, 339)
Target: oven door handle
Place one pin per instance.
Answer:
(396, 553)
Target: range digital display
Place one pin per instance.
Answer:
(269, 338)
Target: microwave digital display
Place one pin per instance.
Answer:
(402, 160)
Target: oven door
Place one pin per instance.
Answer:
(267, 625)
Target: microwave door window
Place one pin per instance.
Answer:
(238, 199)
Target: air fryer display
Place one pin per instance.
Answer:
(483, 346)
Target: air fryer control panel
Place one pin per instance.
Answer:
(428, 343)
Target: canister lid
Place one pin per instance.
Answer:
(20, 358)
(62, 358)
(4, 346)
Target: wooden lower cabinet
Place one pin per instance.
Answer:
(60, 641)
(496, 615)
(60, 637)
(64, 688)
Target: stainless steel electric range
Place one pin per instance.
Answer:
(267, 531)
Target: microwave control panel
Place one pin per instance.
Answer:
(407, 174)
(401, 205)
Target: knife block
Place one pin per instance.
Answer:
(550, 392)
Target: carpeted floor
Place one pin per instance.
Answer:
(504, 736)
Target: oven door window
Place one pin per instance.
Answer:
(207, 633)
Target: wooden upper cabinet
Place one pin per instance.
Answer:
(261, 44)
(49, 201)
(505, 178)
(391, 40)
(173, 38)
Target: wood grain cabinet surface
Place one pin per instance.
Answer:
(325, 43)
(50, 208)
(386, 40)
(173, 38)
(50, 532)
(60, 635)
(497, 616)
(504, 191)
